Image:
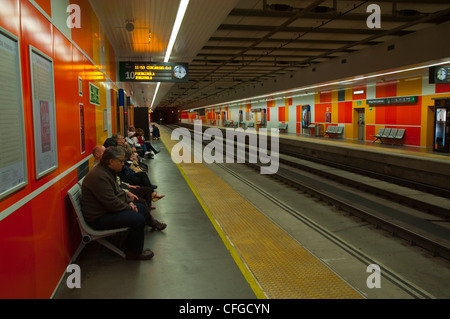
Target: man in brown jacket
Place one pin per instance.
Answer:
(106, 206)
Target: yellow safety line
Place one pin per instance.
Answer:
(237, 258)
(278, 266)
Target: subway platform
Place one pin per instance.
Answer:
(221, 243)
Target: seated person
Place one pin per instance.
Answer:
(106, 206)
(116, 139)
(139, 179)
(145, 145)
(155, 132)
(144, 195)
(97, 152)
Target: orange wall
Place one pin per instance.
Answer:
(39, 235)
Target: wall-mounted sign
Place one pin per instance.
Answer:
(13, 158)
(393, 100)
(44, 113)
(94, 94)
(439, 74)
(153, 72)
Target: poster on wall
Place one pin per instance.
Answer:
(306, 115)
(94, 94)
(13, 164)
(44, 117)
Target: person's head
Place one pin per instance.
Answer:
(119, 139)
(128, 151)
(97, 151)
(113, 157)
(140, 132)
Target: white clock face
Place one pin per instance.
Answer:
(441, 74)
(179, 72)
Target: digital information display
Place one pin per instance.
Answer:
(153, 72)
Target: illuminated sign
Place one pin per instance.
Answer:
(153, 72)
(393, 100)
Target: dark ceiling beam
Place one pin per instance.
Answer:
(284, 40)
(317, 16)
(264, 28)
(226, 48)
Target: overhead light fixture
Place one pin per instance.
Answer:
(176, 28)
(358, 92)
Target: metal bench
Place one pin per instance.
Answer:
(334, 131)
(282, 128)
(88, 234)
(378, 135)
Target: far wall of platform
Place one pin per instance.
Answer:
(341, 106)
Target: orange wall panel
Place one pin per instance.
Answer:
(45, 5)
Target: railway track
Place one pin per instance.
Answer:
(418, 217)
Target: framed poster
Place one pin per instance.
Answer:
(94, 94)
(13, 159)
(82, 132)
(44, 118)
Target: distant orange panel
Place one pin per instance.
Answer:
(345, 112)
(410, 114)
(45, 5)
(320, 111)
(386, 89)
(325, 96)
(370, 130)
(298, 114)
(359, 96)
(271, 103)
(442, 88)
(281, 114)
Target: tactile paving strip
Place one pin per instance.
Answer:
(280, 265)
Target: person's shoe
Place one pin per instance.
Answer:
(158, 197)
(156, 152)
(154, 186)
(159, 226)
(145, 255)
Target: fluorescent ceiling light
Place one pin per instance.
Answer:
(176, 28)
(358, 92)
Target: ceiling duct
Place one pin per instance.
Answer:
(277, 7)
(322, 9)
(280, 7)
(408, 13)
